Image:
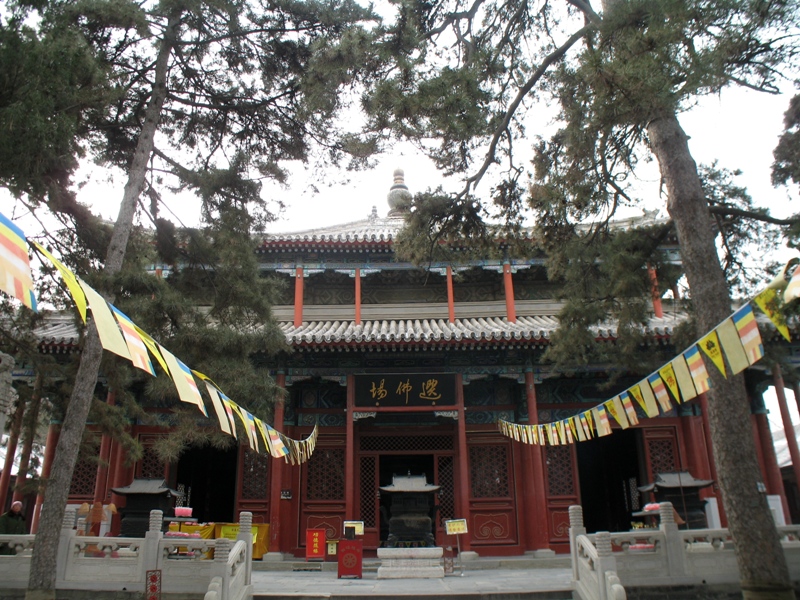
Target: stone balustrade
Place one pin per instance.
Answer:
(110, 564)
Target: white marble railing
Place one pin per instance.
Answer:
(660, 557)
(593, 564)
(121, 564)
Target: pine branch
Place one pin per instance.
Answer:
(550, 59)
(729, 211)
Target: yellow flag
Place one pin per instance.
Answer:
(684, 378)
(668, 376)
(614, 406)
(69, 278)
(710, 345)
(550, 435)
(769, 301)
(579, 428)
(651, 408)
(561, 435)
(107, 328)
(732, 346)
(644, 397)
(218, 408)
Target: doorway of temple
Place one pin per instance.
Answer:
(207, 476)
(609, 471)
(401, 464)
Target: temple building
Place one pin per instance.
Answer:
(406, 371)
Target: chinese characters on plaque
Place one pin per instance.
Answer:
(419, 389)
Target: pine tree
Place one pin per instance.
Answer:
(209, 96)
(620, 77)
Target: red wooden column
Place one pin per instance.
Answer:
(101, 477)
(350, 452)
(788, 427)
(49, 453)
(658, 310)
(706, 431)
(536, 519)
(462, 506)
(511, 311)
(358, 296)
(298, 297)
(451, 304)
(765, 446)
(698, 454)
(276, 478)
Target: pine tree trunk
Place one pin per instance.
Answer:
(41, 585)
(762, 564)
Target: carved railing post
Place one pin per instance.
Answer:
(576, 528)
(602, 541)
(246, 535)
(606, 562)
(65, 543)
(222, 551)
(152, 538)
(675, 551)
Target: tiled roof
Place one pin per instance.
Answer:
(377, 230)
(373, 229)
(58, 331)
(531, 329)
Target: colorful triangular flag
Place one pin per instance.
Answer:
(702, 382)
(136, 347)
(712, 348)
(16, 279)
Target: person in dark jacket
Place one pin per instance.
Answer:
(12, 523)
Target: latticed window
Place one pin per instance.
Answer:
(368, 490)
(662, 456)
(488, 470)
(404, 443)
(560, 480)
(151, 466)
(83, 478)
(446, 491)
(326, 474)
(255, 468)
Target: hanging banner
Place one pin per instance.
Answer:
(697, 368)
(750, 336)
(107, 329)
(662, 396)
(16, 279)
(68, 277)
(136, 347)
(712, 348)
(732, 346)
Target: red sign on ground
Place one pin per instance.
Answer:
(315, 544)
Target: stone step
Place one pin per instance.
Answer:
(561, 561)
